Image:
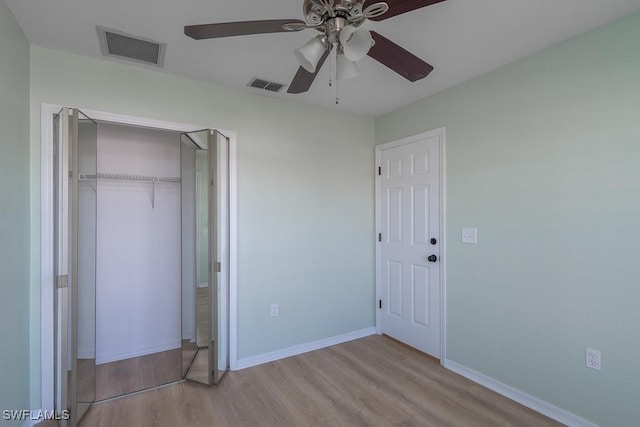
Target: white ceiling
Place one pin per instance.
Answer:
(460, 38)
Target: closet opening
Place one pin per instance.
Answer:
(141, 275)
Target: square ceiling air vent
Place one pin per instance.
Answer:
(121, 45)
(265, 84)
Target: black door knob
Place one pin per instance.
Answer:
(433, 241)
(432, 258)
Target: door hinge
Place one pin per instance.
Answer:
(379, 170)
(379, 303)
(379, 237)
(218, 267)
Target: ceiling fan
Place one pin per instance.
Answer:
(339, 24)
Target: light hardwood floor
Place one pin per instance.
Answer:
(202, 320)
(138, 373)
(374, 381)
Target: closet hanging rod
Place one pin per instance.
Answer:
(128, 177)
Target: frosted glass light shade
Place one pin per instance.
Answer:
(356, 42)
(345, 69)
(309, 54)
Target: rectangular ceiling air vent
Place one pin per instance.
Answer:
(125, 46)
(266, 85)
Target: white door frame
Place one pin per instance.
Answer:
(46, 232)
(440, 134)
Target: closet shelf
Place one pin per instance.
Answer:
(128, 177)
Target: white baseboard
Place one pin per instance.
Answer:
(248, 362)
(538, 405)
(142, 352)
(30, 423)
(86, 353)
(36, 417)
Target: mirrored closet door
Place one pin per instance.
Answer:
(205, 249)
(75, 160)
(141, 236)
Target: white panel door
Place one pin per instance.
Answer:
(409, 197)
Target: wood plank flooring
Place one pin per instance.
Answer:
(373, 381)
(138, 373)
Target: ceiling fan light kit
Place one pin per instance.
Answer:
(345, 68)
(339, 24)
(309, 55)
(355, 42)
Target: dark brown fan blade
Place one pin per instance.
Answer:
(303, 79)
(397, 7)
(398, 59)
(229, 29)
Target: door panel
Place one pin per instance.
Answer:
(221, 271)
(395, 204)
(420, 296)
(395, 289)
(195, 176)
(205, 225)
(84, 227)
(410, 215)
(61, 261)
(75, 158)
(420, 207)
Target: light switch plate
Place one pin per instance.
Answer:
(469, 235)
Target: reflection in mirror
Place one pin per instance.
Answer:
(220, 298)
(138, 269)
(195, 256)
(86, 298)
(205, 254)
(130, 340)
(62, 324)
(188, 227)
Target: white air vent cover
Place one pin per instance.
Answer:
(125, 46)
(265, 84)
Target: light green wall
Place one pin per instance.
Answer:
(14, 215)
(305, 192)
(543, 156)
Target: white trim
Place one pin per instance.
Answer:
(149, 350)
(233, 250)
(441, 134)
(86, 353)
(36, 416)
(565, 417)
(46, 255)
(378, 225)
(443, 245)
(46, 233)
(248, 362)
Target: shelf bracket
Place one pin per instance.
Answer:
(153, 194)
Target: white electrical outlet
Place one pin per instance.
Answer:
(274, 310)
(593, 359)
(470, 235)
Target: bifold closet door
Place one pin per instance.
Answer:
(75, 159)
(205, 243)
(219, 244)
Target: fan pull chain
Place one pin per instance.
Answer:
(337, 84)
(331, 71)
